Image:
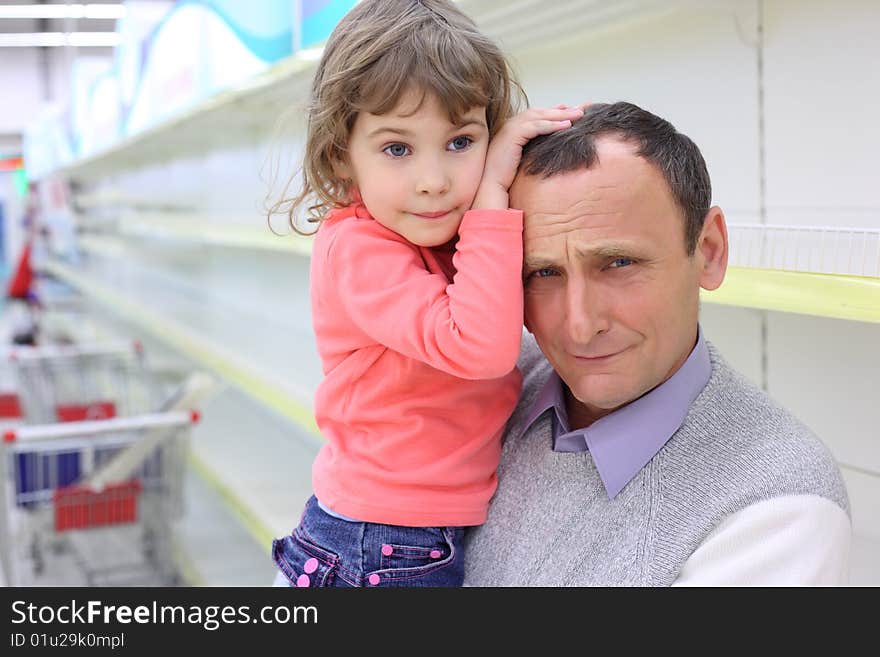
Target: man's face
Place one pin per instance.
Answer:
(610, 293)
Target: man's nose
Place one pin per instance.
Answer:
(586, 313)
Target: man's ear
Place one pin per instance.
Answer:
(712, 249)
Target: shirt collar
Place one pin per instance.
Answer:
(356, 209)
(624, 441)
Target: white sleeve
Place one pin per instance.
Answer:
(795, 540)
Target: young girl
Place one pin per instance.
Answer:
(416, 292)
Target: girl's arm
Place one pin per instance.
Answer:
(470, 328)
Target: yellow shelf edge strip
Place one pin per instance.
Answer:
(198, 348)
(263, 391)
(189, 572)
(257, 529)
(216, 236)
(825, 295)
(247, 237)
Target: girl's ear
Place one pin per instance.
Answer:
(341, 169)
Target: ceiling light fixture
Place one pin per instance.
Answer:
(63, 11)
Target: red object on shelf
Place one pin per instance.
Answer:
(100, 410)
(10, 406)
(79, 507)
(11, 163)
(21, 282)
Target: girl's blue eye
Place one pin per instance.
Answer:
(396, 150)
(460, 143)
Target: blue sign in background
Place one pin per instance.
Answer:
(319, 17)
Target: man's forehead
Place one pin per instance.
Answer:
(618, 166)
(589, 234)
(618, 177)
(579, 199)
(621, 204)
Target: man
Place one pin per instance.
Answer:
(636, 455)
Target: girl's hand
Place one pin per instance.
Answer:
(505, 151)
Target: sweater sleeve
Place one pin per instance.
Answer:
(470, 328)
(795, 540)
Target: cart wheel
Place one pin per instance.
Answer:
(37, 557)
(57, 545)
(149, 544)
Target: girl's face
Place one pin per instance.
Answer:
(417, 173)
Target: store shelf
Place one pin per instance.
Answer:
(251, 379)
(518, 24)
(251, 110)
(239, 554)
(258, 464)
(249, 301)
(810, 249)
(824, 295)
(198, 229)
(253, 469)
(194, 228)
(233, 116)
(771, 268)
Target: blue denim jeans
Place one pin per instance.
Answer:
(328, 551)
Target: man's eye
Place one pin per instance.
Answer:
(460, 143)
(544, 272)
(396, 150)
(620, 262)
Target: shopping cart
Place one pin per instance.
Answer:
(68, 383)
(91, 475)
(72, 533)
(64, 383)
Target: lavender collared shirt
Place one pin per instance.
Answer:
(623, 441)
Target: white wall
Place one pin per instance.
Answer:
(692, 68)
(822, 83)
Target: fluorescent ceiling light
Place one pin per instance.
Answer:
(62, 11)
(82, 39)
(57, 39)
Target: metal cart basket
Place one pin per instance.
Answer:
(62, 523)
(63, 383)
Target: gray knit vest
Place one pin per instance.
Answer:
(551, 522)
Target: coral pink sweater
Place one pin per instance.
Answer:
(419, 350)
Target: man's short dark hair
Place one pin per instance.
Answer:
(677, 157)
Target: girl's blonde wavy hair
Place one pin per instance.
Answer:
(377, 52)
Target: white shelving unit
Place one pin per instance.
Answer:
(227, 293)
(822, 271)
(853, 252)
